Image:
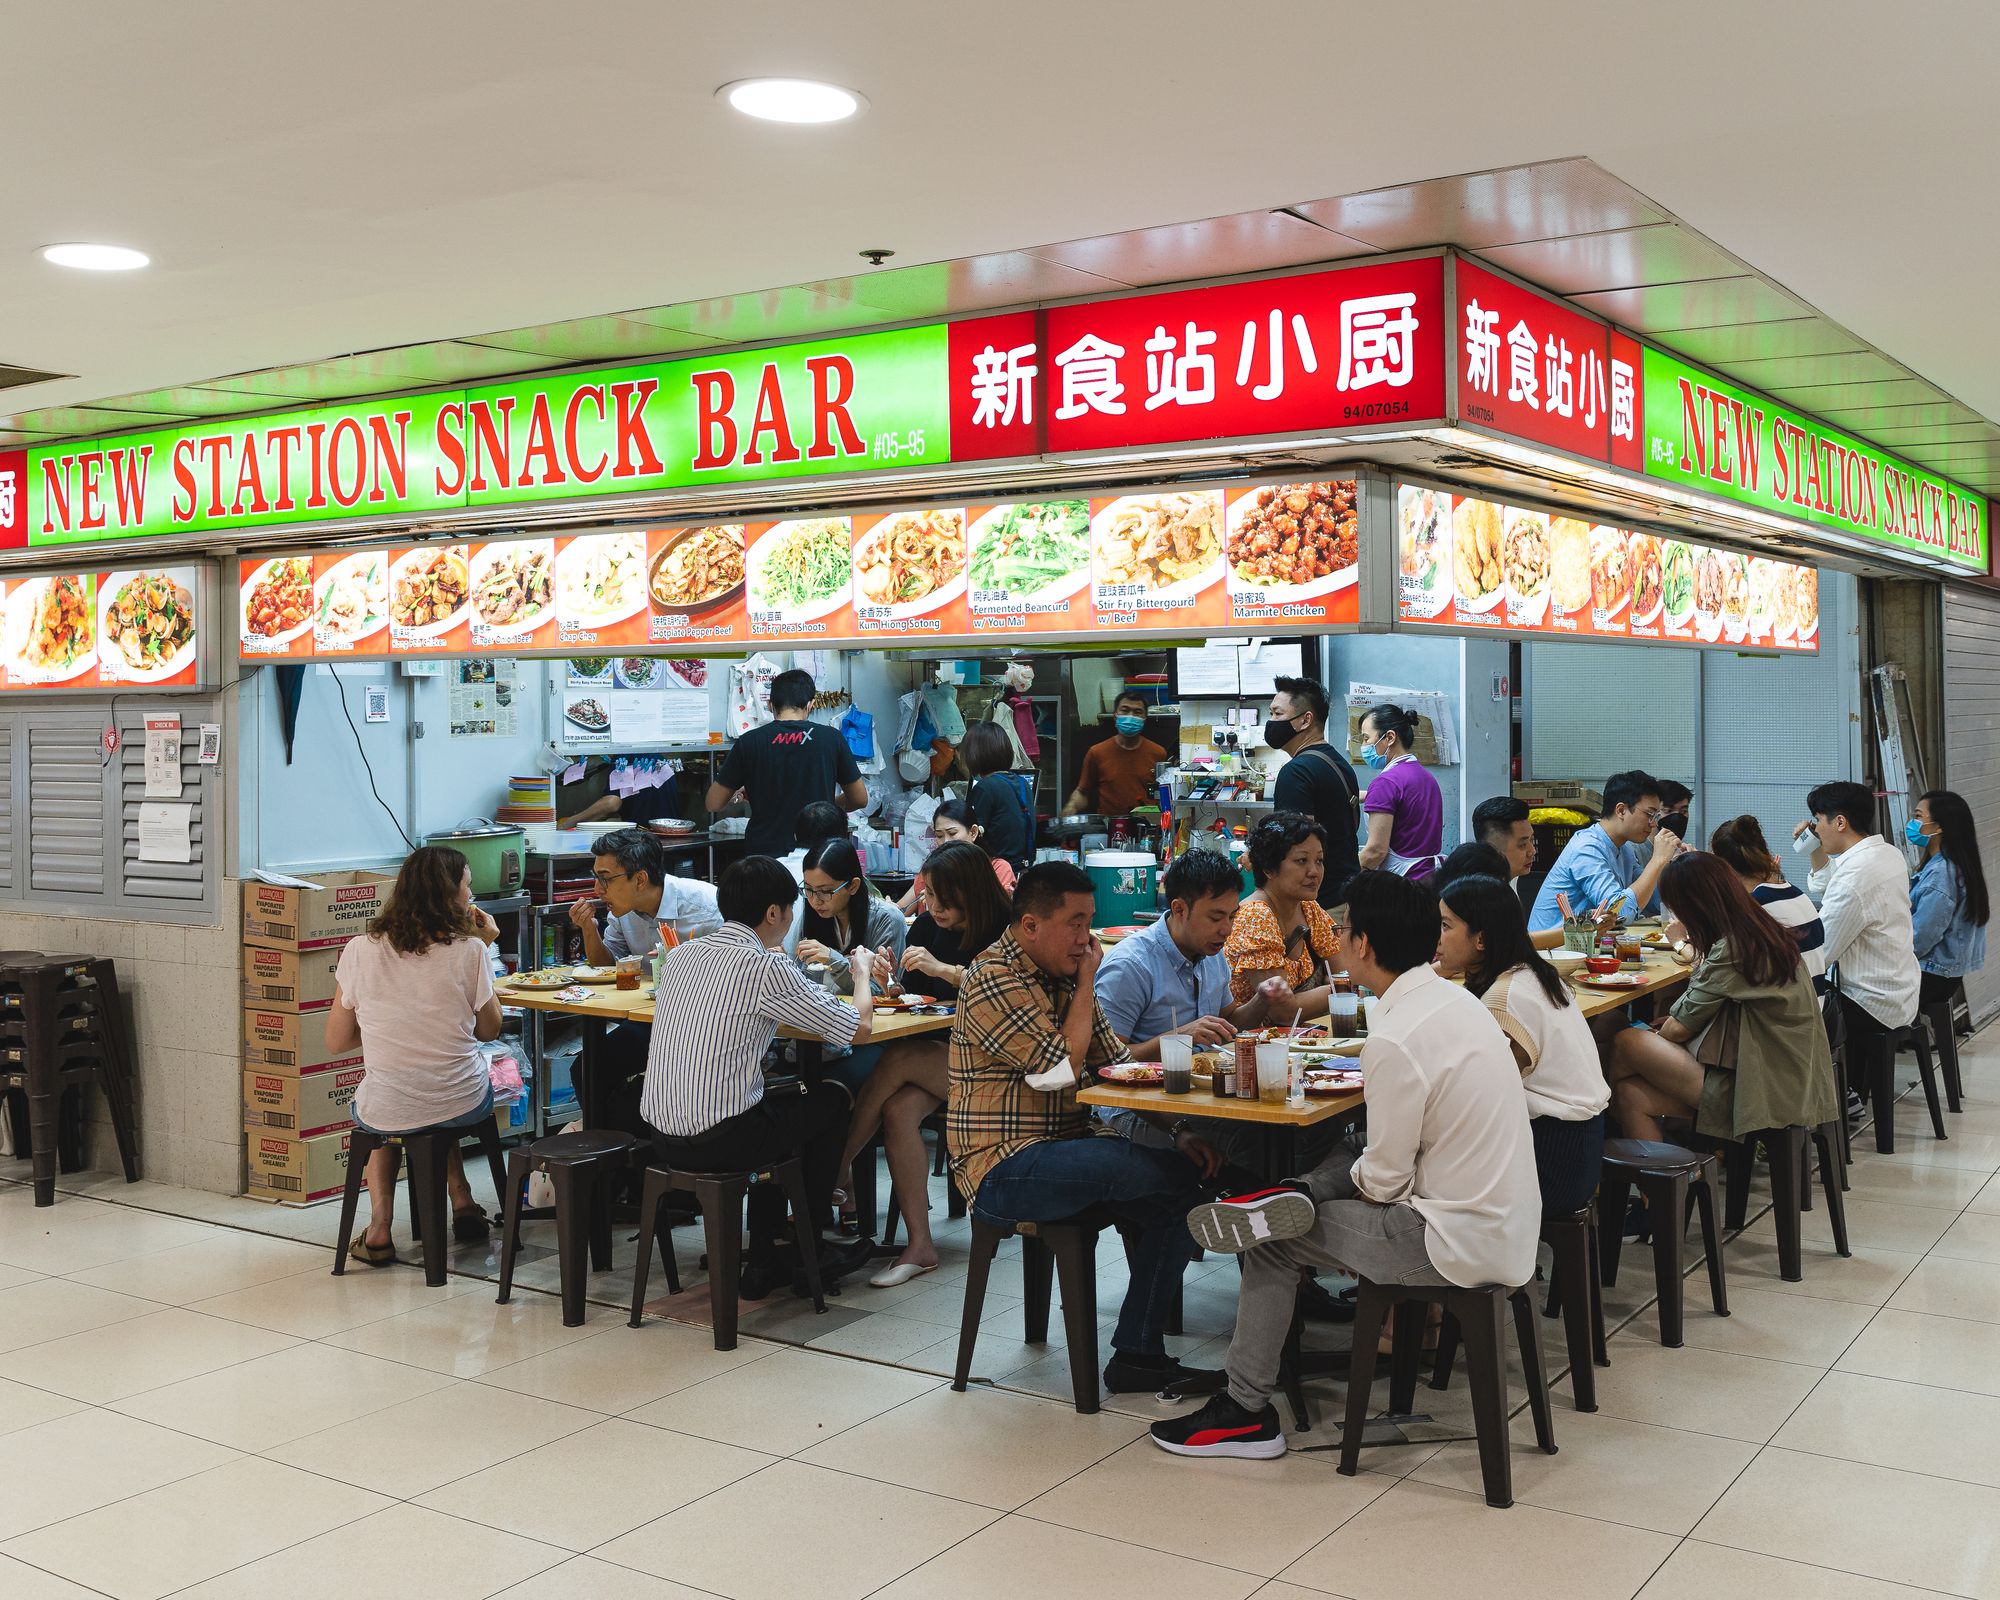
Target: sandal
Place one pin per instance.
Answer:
(470, 1226)
(373, 1255)
(847, 1218)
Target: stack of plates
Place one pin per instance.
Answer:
(529, 799)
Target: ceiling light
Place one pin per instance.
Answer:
(95, 257)
(791, 100)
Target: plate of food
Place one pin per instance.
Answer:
(1478, 558)
(1611, 980)
(428, 590)
(541, 980)
(1806, 602)
(513, 586)
(588, 713)
(1294, 541)
(1784, 600)
(1643, 565)
(593, 974)
(1610, 574)
(1037, 551)
(351, 599)
(1169, 545)
(803, 569)
(1527, 565)
(1735, 596)
(1570, 564)
(601, 578)
(697, 570)
(1676, 583)
(145, 625)
(638, 672)
(277, 601)
(1133, 1073)
(1710, 585)
(1328, 1082)
(1422, 516)
(1123, 930)
(911, 562)
(52, 628)
(671, 827)
(684, 672)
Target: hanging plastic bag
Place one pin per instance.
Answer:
(750, 694)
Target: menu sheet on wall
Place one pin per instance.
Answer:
(130, 628)
(1464, 562)
(1276, 557)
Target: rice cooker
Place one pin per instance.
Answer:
(497, 853)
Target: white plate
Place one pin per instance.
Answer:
(569, 565)
(378, 596)
(1430, 592)
(1282, 593)
(1194, 585)
(753, 568)
(1565, 960)
(1061, 589)
(949, 590)
(111, 660)
(250, 584)
(409, 559)
(1632, 579)
(490, 556)
(21, 603)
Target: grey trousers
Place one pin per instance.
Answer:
(1382, 1243)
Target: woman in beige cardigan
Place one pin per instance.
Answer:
(1744, 1049)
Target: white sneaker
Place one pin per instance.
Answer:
(1229, 1227)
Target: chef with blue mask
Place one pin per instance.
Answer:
(1118, 773)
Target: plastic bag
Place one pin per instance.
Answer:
(750, 694)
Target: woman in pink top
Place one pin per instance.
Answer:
(416, 994)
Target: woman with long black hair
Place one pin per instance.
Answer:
(1948, 904)
(1484, 939)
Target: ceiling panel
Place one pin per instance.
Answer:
(1764, 341)
(1484, 210)
(975, 283)
(14, 439)
(191, 402)
(1825, 398)
(1251, 241)
(1792, 372)
(593, 339)
(1621, 259)
(1939, 414)
(445, 361)
(1933, 433)
(795, 313)
(67, 422)
(1710, 303)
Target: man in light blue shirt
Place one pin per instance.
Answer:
(1620, 855)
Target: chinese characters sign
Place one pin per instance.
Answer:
(1173, 563)
(1469, 563)
(1536, 369)
(1711, 435)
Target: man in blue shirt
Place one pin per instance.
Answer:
(1622, 853)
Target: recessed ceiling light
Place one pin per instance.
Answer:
(96, 257)
(791, 100)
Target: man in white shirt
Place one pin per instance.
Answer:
(630, 868)
(1443, 1192)
(1863, 887)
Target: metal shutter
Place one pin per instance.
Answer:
(6, 805)
(161, 883)
(65, 805)
(1972, 745)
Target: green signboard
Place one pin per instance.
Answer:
(1703, 433)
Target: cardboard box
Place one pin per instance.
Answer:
(311, 919)
(281, 1167)
(300, 1105)
(288, 980)
(288, 1042)
(1562, 792)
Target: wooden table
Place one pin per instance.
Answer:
(1663, 974)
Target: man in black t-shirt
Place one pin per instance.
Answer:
(1318, 779)
(784, 766)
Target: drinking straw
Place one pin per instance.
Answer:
(1562, 905)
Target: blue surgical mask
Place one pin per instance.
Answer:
(1374, 758)
(1129, 725)
(1913, 830)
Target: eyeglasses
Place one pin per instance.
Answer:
(606, 879)
(818, 895)
(1655, 814)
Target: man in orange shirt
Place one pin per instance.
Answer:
(1117, 774)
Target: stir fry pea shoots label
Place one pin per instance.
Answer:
(800, 579)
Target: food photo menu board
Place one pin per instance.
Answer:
(129, 628)
(1465, 563)
(1273, 556)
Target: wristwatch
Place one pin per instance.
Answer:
(1179, 1126)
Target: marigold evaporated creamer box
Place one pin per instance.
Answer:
(279, 918)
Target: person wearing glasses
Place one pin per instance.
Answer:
(1620, 856)
(840, 912)
(634, 887)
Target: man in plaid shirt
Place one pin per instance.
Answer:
(1023, 1150)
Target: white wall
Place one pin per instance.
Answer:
(1410, 661)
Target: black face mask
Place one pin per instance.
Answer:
(1279, 734)
(1676, 823)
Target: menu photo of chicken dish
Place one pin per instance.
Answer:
(350, 599)
(513, 587)
(1477, 557)
(276, 602)
(1610, 574)
(1292, 541)
(429, 588)
(51, 628)
(1155, 549)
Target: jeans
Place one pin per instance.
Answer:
(811, 1126)
(1147, 1192)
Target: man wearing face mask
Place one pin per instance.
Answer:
(1316, 780)
(1675, 798)
(1117, 775)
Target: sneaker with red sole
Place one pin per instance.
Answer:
(1223, 1428)
(1229, 1227)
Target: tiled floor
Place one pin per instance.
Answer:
(191, 1407)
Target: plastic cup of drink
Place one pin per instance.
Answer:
(1177, 1063)
(1343, 1014)
(1273, 1070)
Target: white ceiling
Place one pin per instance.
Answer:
(378, 174)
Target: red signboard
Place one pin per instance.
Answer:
(997, 370)
(1321, 351)
(1531, 367)
(1627, 400)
